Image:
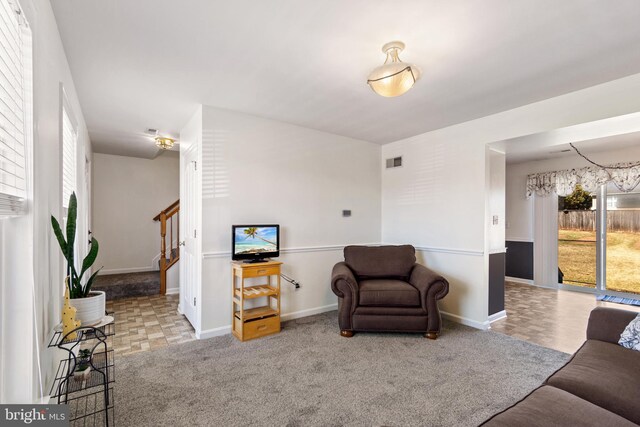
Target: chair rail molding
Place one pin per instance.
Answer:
(469, 252)
(300, 249)
(329, 248)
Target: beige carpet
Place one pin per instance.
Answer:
(310, 375)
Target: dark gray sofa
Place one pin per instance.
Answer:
(599, 386)
(382, 288)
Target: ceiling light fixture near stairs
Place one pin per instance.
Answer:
(394, 77)
(164, 143)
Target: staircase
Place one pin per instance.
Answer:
(168, 257)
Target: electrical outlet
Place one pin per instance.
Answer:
(346, 213)
(495, 220)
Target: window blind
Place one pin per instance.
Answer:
(69, 159)
(13, 109)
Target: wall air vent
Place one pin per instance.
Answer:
(395, 162)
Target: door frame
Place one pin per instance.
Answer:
(187, 153)
(601, 252)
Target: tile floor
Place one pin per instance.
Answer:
(148, 322)
(548, 317)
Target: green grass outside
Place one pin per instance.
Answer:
(577, 259)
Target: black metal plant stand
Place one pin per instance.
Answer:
(90, 398)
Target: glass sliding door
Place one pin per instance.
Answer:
(577, 239)
(622, 247)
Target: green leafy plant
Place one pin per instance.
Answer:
(84, 359)
(578, 200)
(67, 245)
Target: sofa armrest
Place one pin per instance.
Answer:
(343, 280)
(606, 324)
(431, 285)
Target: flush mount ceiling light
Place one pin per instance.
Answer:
(164, 143)
(394, 77)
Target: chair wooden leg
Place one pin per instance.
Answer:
(346, 334)
(431, 335)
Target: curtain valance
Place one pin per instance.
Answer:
(625, 176)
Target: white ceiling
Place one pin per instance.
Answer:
(141, 64)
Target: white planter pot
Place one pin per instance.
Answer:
(82, 375)
(90, 310)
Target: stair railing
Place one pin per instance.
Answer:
(166, 218)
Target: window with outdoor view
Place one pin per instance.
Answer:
(15, 108)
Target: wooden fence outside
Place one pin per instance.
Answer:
(622, 220)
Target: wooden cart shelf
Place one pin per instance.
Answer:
(257, 291)
(255, 322)
(257, 313)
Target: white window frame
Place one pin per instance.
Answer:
(16, 139)
(69, 150)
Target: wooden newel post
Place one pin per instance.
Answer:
(163, 253)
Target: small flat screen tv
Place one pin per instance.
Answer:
(255, 243)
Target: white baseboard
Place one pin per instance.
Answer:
(126, 270)
(466, 321)
(518, 280)
(215, 332)
(173, 291)
(308, 312)
(498, 316)
(224, 330)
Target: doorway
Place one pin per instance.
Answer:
(599, 241)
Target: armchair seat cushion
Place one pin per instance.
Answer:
(388, 293)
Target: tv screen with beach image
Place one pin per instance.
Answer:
(255, 240)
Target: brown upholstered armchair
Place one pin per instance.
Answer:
(382, 288)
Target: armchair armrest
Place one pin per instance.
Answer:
(606, 324)
(424, 279)
(431, 285)
(343, 281)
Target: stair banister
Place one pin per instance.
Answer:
(167, 215)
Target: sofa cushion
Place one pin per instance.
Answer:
(388, 293)
(549, 406)
(606, 375)
(380, 261)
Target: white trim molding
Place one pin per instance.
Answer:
(126, 270)
(330, 248)
(519, 280)
(301, 249)
(309, 312)
(224, 330)
(519, 239)
(468, 252)
(172, 291)
(215, 332)
(497, 251)
(498, 316)
(466, 321)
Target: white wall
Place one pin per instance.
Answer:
(27, 323)
(128, 192)
(262, 171)
(496, 201)
(438, 201)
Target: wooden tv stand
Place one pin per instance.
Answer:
(263, 319)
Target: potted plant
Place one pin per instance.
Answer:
(90, 305)
(83, 367)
